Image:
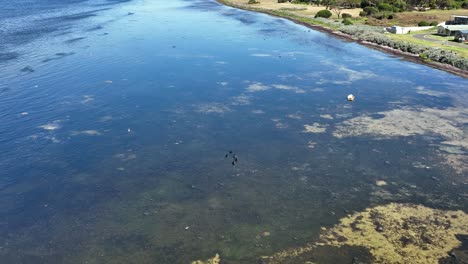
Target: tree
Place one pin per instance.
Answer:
(337, 6)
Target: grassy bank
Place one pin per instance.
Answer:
(432, 40)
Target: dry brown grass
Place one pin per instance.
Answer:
(310, 12)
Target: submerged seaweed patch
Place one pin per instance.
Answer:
(393, 233)
(445, 123)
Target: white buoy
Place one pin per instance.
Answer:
(350, 97)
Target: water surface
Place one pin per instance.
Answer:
(116, 117)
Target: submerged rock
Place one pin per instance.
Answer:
(27, 69)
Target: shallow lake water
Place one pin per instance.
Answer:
(117, 117)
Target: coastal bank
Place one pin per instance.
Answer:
(322, 27)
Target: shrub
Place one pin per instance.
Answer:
(346, 15)
(323, 13)
(385, 7)
(282, 1)
(329, 22)
(433, 23)
(362, 13)
(383, 15)
(251, 2)
(370, 10)
(347, 22)
(464, 4)
(423, 24)
(375, 35)
(447, 57)
(356, 30)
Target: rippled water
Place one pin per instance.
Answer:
(116, 117)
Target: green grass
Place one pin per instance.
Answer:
(463, 52)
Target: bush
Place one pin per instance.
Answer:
(324, 13)
(357, 30)
(329, 22)
(464, 4)
(364, 3)
(383, 15)
(347, 22)
(447, 57)
(433, 23)
(251, 2)
(423, 24)
(375, 35)
(385, 7)
(370, 10)
(346, 15)
(362, 13)
(282, 1)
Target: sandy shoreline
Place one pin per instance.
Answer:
(405, 55)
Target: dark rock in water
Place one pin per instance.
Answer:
(130, 13)
(405, 241)
(95, 28)
(73, 40)
(27, 69)
(453, 255)
(8, 56)
(63, 54)
(59, 55)
(233, 163)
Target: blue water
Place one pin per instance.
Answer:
(116, 117)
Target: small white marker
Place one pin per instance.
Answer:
(129, 130)
(187, 228)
